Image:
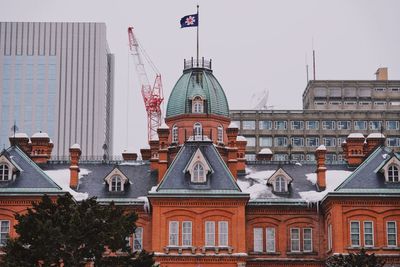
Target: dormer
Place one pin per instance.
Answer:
(8, 168)
(390, 169)
(116, 180)
(197, 104)
(280, 181)
(198, 167)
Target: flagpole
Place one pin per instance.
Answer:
(198, 24)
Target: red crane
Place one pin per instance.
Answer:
(152, 95)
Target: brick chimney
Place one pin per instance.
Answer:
(154, 145)
(129, 156)
(146, 153)
(354, 148)
(41, 147)
(163, 134)
(265, 154)
(382, 74)
(232, 133)
(74, 153)
(22, 141)
(241, 143)
(321, 168)
(373, 141)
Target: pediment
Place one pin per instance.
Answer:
(118, 172)
(279, 172)
(198, 157)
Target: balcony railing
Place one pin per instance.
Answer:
(194, 63)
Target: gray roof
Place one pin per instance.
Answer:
(30, 178)
(219, 182)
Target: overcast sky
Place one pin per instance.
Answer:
(255, 45)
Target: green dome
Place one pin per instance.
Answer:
(197, 82)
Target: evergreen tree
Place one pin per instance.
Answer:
(361, 259)
(73, 233)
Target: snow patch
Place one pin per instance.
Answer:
(384, 156)
(265, 151)
(376, 135)
(132, 163)
(20, 135)
(146, 205)
(41, 135)
(154, 189)
(232, 125)
(321, 147)
(75, 146)
(312, 177)
(241, 138)
(62, 177)
(355, 135)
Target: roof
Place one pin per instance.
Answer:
(197, 82)
(30, 178)
(220, 181)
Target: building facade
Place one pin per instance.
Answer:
(57, 78)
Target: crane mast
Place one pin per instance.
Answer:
(152, 94)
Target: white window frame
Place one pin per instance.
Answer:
(297, 240)
(330, 245)
(268, 140)
(270, 237)
(175, 134)
(285, 141)
(308, 139)
(199, 173)
(220, 134)
(391, 121)
(301, 125)
(223, 233)
(280, 184)
(267, 123)
(4, 172)
(138, 239)
(355, 233)
(198, 105)
(116, 184)
(388, 234)
(298, 138)
(358, 128)
(4, 235)
(332, 139)
(197, 130)
(187, 233)
(368, 234)
(308, 123)
(209, 234)
(173, 233)
(372, 123)
(307, 239)
(340, 125)
(393, 173)
(248, 125)
(276, 123)
(326, 123)
(258, 239)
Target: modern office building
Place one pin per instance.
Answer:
(331, 111)
(57, 78)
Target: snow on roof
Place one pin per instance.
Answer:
(62, 176)
(241, 138)
(163, 126)
(132, 163)
(233, 125)
(265, 151)
(255, 184)
(355, 135)
(20, 135)
(321, 147)
(40, 135)
(333, 179)
(376, 135)
(75, 146)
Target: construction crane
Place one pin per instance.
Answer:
(152, 95)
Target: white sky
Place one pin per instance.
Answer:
(255, 45)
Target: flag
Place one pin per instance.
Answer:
(190, 21)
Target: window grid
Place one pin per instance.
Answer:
(393, 173)
(391, 232)
(280, 184)
(116, 184)
(198, 173)
(138, 239)
(270, 237)
(329, 237)
(223, 233)
(220, 134)
(197, 130)
(295, 239)
(4, 172)
(355, 233)
(187, 233)
(307, 239)
(258, 239)
(175, 134)
(210, 233)
(368, 234)
(173, 233)
(280, 125)
(4, 232)
(297, 125)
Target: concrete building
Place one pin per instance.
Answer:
(331, 111)
(57, 78)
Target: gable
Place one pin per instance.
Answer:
(279, 172)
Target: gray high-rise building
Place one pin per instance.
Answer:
(57, 78)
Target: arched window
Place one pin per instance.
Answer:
(280, 184)
(393, 173)
(175, 134)
(116, 184)
(198, 173)
(197, 128)
(220, 136)
(197, 105)
(4, 173)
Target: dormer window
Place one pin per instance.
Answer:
(4, 173)
(393, 173)
(116, 180)
(175, 134)
(197, 130)
(280, 184)
(197, 105)
(198, 173)
(116, 184)
(220, 134)
(280, 181)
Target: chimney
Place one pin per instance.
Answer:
(22, 141)
(153, 154)
(373, 141)
(265, 154)
(241, 143)
(232, 133)
(321, 168)
(41, 147)
(382, 74)
(75, 153)
(163, 134)
(146, 153)
(129, 156)
(354, 148)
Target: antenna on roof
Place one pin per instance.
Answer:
(307, 68)
(313, 57)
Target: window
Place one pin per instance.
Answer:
(307, 239)
(312, 141)
(251, 140)
(391, 231)
(393, 141)
(355, 233)
(187, 234)
(258, 239)
(223, 233)
(380, 89)
(265, 141)
(197, 105)
(310, 157)
(368, 234)
(4, 232)
(392, 125)
(297, 157)
(248, 125)
(175, 134)
(329, 237)
(198, 129)
(220, 136)
(297, 125)
(280, 125)
(280, 141)
(198, 173)
(210, 234)
(329, 141)
(280, 157)
(280, 184)
(250, 157)
(138, 239)
(173, 233)
(295, 239)
(343, 125)
(116, 184)
(265, 125)
(270, 233)
(328, 125)
(297, 141)
(360, 125)
(393, 173)
(312, 125)
(395, 89)
(375, 125)
(380, 103)
(4, 173)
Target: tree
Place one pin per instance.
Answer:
(65, 231)
(361, 259)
